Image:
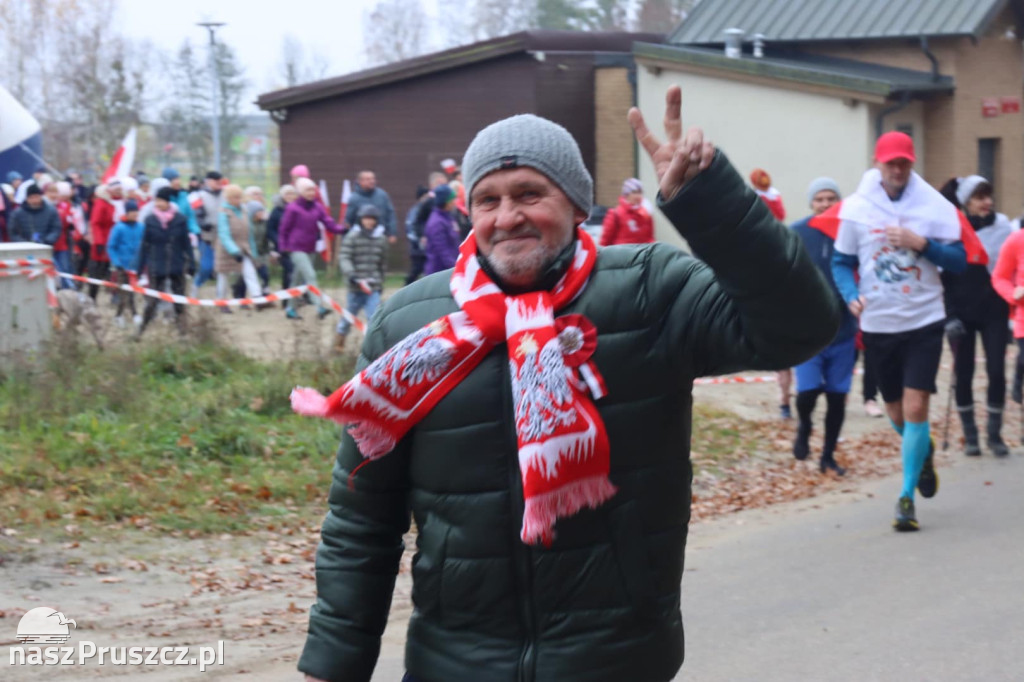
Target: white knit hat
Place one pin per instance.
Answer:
(968, 186)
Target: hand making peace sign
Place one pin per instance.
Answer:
(680, 159)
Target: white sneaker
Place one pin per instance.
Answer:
(137, 320)
(872, 409)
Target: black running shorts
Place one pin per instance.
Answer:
(905, 359)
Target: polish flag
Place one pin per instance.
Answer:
(122, 160)
(326, 242)
(346, 194)
(921, 204)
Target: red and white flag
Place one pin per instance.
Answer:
(122, 160)
(828, 224)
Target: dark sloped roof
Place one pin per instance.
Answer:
(525, 41)
(846, 74)
(817, 20)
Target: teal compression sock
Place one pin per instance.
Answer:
(916, 439)
(898, 428)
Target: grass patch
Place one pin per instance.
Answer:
(178, 436)
(720, 438)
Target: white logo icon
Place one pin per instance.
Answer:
(45, 626)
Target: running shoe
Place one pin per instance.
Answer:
(928, 481)
(291, 314)
(872, 409)
(906, 519)
(829, 464)
(785, 412)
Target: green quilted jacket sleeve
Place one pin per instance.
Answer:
(358, 556)
(752, 298)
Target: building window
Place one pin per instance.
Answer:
(905, 128)
(988, 158)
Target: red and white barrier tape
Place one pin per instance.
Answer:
(40, 266)
(740, 379)
(716, 381)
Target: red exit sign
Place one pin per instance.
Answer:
(989, 107)
(1009, 105)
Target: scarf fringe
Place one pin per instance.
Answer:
(308, 402)
(542, 511)
(372, 440)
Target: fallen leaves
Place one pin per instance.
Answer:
(760, 470)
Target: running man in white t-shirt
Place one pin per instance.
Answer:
(897, 231)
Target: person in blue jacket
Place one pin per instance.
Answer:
(179, 198)
(123, 249)
(830, 371)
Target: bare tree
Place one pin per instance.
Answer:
(65, 61)
(185, 120)
(494, 18)
(298, 65)
(612, 15)
(394, 30)
(662, 16)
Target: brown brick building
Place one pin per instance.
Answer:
(402, 119)
(836, 73)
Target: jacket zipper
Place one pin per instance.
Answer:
(524, 567)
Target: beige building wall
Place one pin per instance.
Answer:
(912, 117)
(613, 96)
(795, 136)
(992, 67)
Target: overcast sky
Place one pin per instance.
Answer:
(256, 28)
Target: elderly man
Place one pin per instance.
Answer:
(207, 216)
(367, 192)
(897, 231)
(531, 409)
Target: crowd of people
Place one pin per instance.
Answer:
(132, 230)
(905, 282)
(911, 265)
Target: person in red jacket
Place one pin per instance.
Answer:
(58, 194)
(629, 222)
(107, 207)
(762, 184)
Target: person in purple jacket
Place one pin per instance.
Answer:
(441, 234)
(297, 236)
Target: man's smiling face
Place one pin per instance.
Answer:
(522, 221)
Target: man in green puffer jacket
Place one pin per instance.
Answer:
(596, 598)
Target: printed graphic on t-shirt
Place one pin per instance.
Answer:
(902, 288)
(896, 265)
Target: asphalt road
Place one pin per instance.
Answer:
(825, 590)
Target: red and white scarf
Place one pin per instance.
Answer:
(563, 446)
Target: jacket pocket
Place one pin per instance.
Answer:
(428, 564)
(630, 548)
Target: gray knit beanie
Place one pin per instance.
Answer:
(820, 185)
(535, 142)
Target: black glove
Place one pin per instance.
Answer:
(955, 330)
(191, 271)
(238, 257)
(206, 228)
